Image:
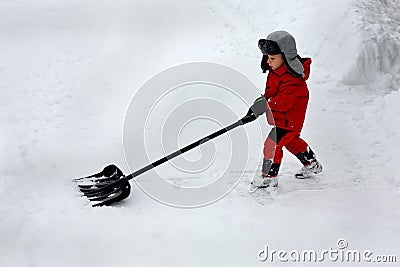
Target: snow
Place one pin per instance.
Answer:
(69, 70)
(377, 66)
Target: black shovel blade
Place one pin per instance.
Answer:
(109, 193)
(106, 187)
(110, 173)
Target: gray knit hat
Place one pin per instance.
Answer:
(287, 45)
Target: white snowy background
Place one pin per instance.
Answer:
(68, 70)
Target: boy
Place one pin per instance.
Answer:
(287, 95)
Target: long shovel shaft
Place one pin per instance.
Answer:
(111, 185)
(183, 150)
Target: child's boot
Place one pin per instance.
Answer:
(311, 164)
(269, 174)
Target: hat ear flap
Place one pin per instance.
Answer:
(262, 45)
(290, 69)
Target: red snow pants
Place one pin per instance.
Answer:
(279, 138)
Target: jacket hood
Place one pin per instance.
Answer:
(306, 65)
(306, 62)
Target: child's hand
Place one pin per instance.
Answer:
(259, 106)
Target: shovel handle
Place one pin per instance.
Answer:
(242, 121)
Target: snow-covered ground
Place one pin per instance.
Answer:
(69, 70)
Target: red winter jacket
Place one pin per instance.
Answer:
(288, 97)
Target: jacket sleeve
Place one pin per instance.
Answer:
(287, 95)
(272, 85)
(268, 93)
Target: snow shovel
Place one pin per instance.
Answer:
(111, 185)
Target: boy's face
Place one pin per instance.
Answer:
(275, 61)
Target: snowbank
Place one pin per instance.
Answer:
(377, 64)
(378, 126)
